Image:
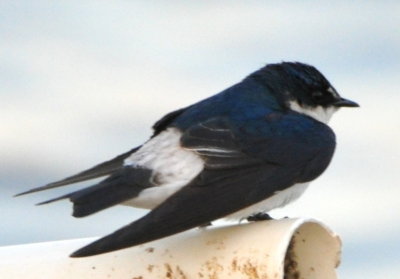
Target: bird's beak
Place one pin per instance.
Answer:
(345, 103)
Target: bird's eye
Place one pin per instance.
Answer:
(317, 96)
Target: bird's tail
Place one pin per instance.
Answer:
(99, 170)
(123, 185)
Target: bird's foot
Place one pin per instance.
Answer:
(261, 216)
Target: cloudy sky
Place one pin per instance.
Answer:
(82, 81)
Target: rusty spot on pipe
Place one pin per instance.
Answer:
(149, 250)
(291, 266)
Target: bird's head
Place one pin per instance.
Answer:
(302, 88)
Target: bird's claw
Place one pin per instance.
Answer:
(261, 216)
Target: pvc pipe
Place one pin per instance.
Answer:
(279, 249)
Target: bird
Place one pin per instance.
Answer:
(238, 154)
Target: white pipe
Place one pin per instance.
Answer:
(287, 248)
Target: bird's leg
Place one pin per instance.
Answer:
(260, 216)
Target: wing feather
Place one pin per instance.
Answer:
(204, 200)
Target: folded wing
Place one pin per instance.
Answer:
(231, 180)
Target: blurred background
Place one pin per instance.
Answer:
(82, 81)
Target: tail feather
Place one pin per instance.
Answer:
(119, 187)
(99, 170)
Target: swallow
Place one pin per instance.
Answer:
(238, 154)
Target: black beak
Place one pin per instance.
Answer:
(345, 103)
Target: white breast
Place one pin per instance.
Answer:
(279, 199)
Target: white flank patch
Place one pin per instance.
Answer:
(152, 197)
(319, 113)
(173, 167)
(279, 199)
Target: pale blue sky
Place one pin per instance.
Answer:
(81, 81)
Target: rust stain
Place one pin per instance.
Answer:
(150, 268)
(211, 268)
(180, 273)
(250, 270)
(174, 273)
(234, 264)
(291, 266)
(138, 277)
(218, 243)
(149, 250)
(168, 272)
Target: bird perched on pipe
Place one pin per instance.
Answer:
(240, 153)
